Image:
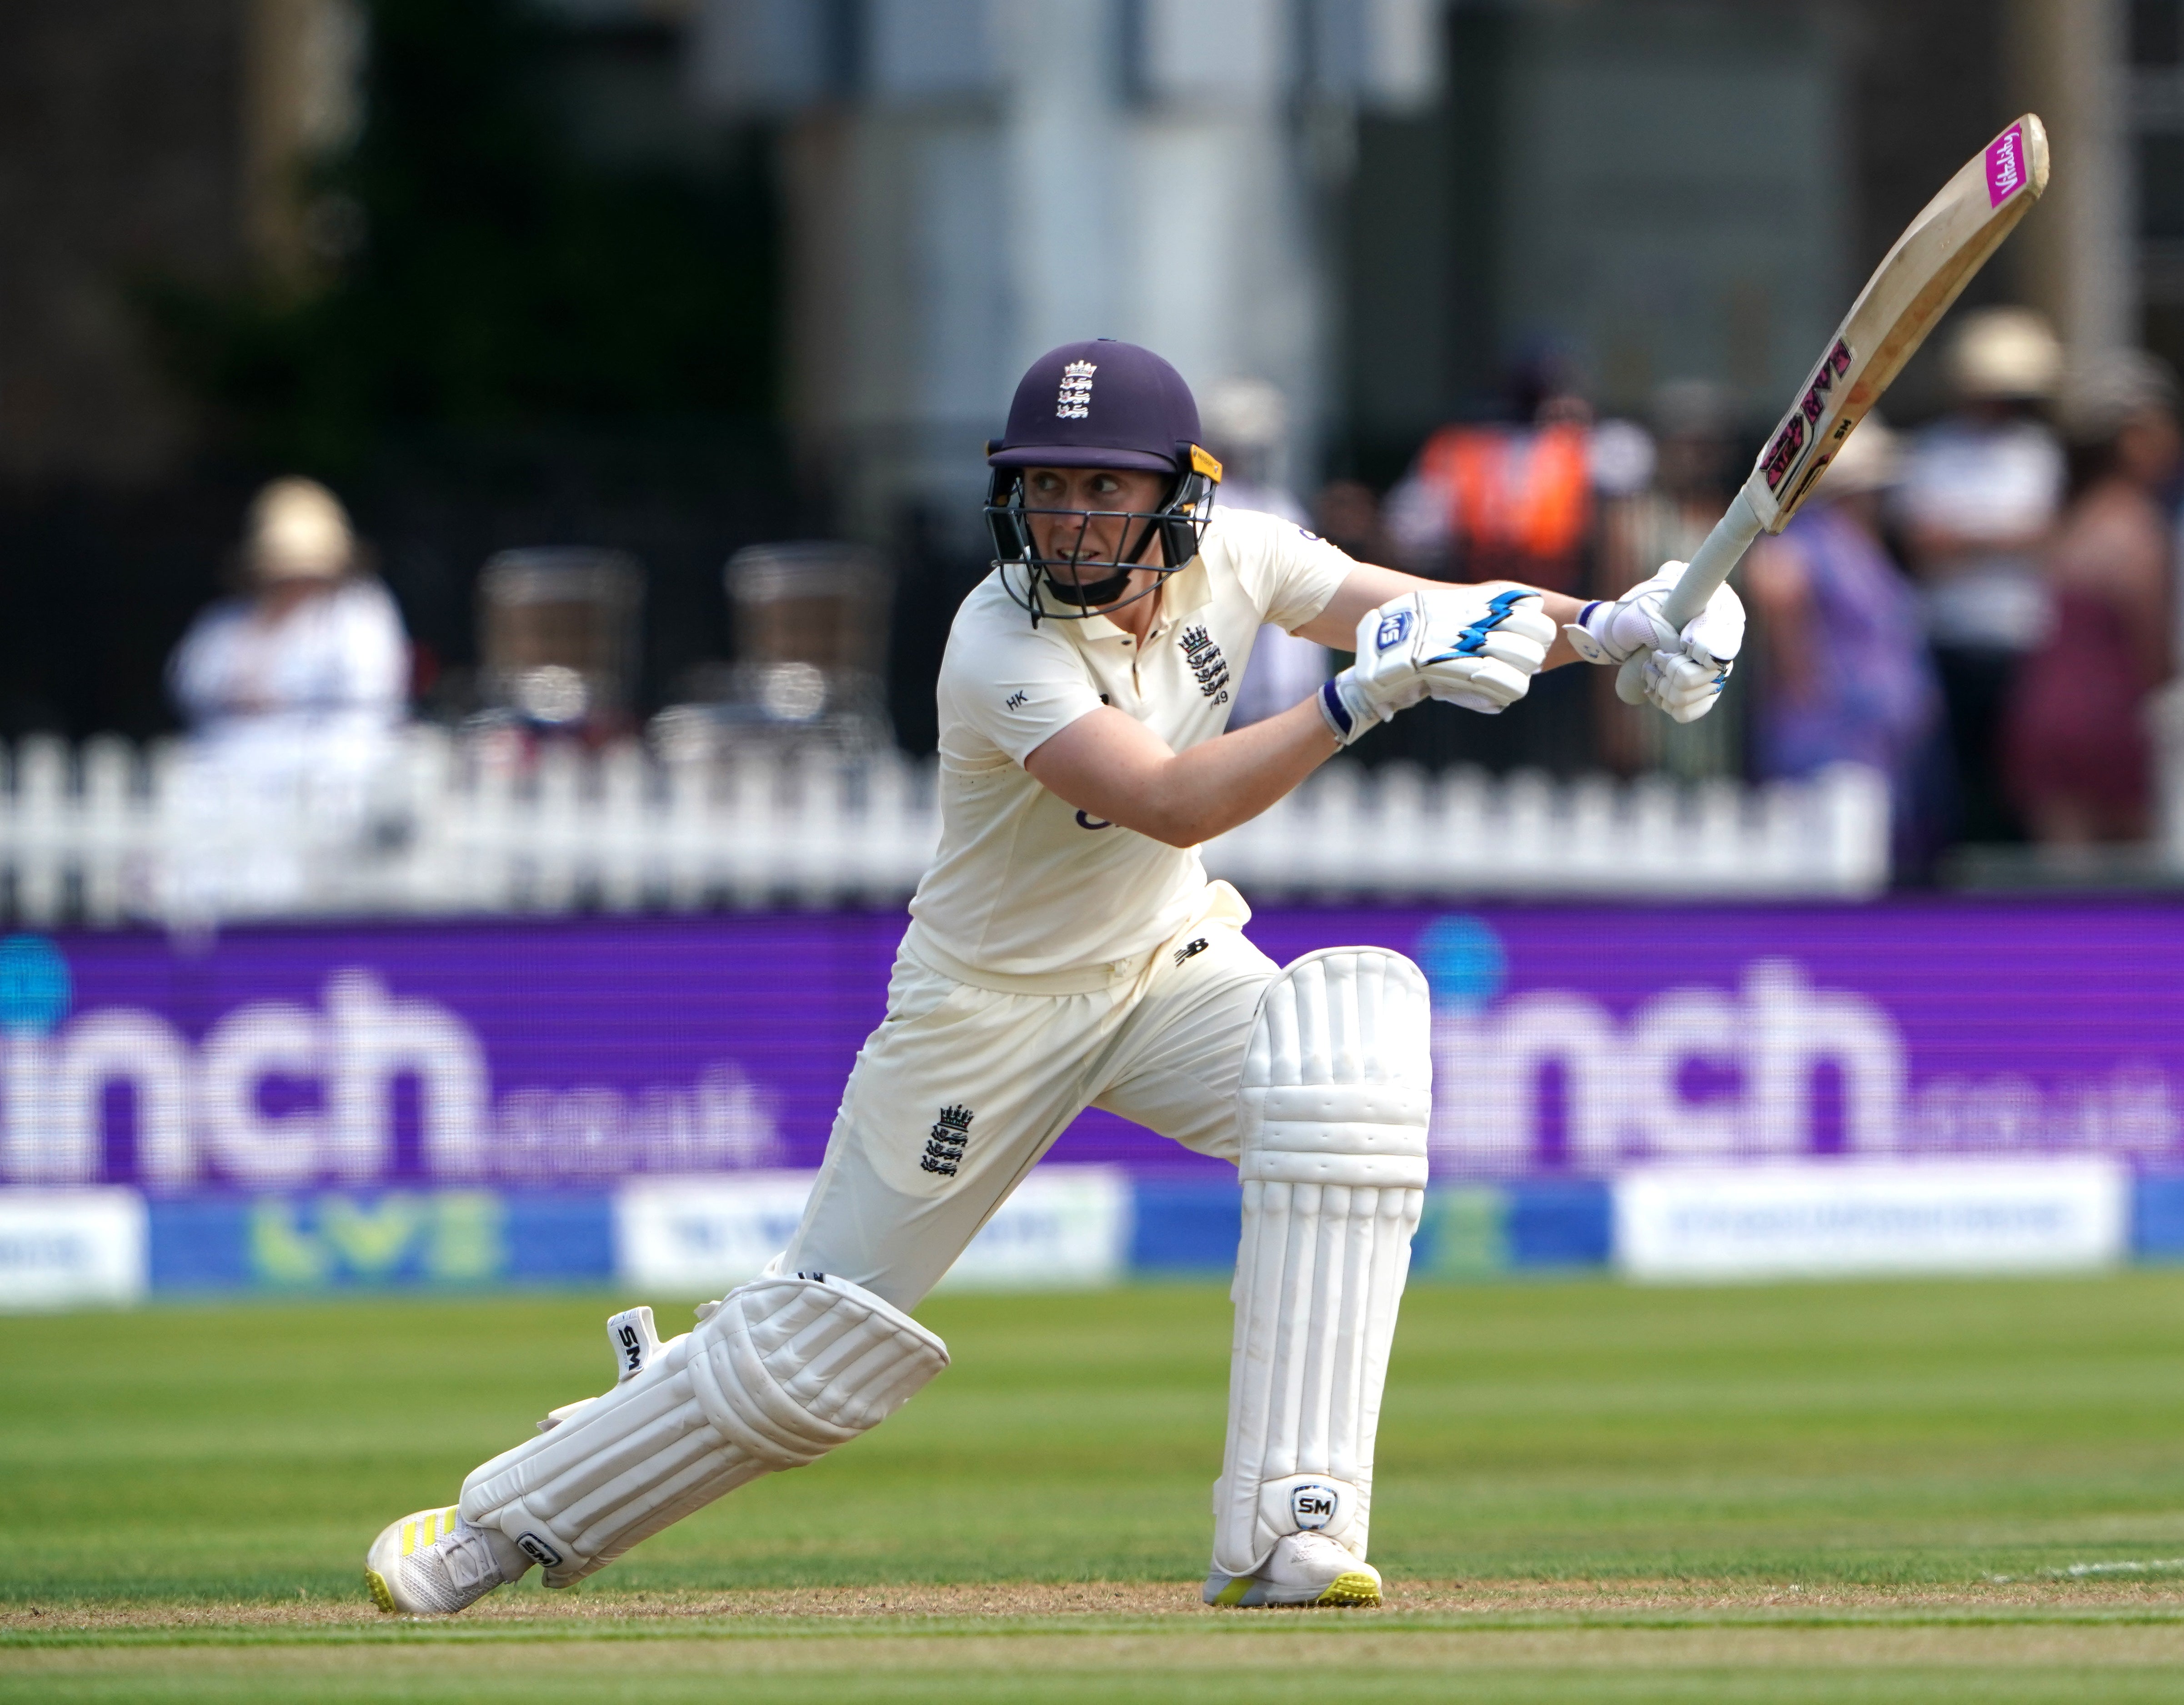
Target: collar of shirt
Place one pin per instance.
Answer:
(1189, 590)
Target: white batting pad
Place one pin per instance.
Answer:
(1337, 1088)
(781, 1372)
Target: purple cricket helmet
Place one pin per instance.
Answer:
(1102, 404)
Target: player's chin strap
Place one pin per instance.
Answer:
(778, 1374)
(1095, 595)
(1337, 1086)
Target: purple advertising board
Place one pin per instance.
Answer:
(1569, 1040)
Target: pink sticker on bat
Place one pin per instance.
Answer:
(2005, 165)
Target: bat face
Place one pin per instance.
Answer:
(1908, 292)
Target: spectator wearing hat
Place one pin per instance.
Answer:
(1844, 675)
(1661, 492)
(1977, 501)
(293, 691)
(1247, 422)
(314, 650)
(2080, 760)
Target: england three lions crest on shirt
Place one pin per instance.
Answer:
(1204, 656)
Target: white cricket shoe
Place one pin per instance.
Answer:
(1304, 1568)
(435, 1564)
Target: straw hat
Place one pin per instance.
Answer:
(297, 530)
(1868, 461)
(2004, 354)
(1244, 414)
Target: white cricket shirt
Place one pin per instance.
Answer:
(1025, 885)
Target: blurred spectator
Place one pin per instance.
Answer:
(1347, 514)
(1844, 673)
(1514, 500)
(314, 651)
(1659, 508)
(1978, 499)
(2079, 757)
(293, 692)
(1246, 424)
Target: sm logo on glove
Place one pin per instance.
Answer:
(1393, 626)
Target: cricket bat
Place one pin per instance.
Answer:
(1908, 292)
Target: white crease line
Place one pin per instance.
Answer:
(2078, 1571)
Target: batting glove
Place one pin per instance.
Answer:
(1682, 674)
(1459, 643)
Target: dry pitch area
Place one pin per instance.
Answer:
(1679, 1640)
(1873, 1493)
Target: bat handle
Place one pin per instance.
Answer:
(1711, 562)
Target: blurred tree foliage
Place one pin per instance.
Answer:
(482, 277)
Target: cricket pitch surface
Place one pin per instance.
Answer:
(1878, 1492)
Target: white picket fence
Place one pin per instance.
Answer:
(108, 833)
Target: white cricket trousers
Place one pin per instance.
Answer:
(963, 1087)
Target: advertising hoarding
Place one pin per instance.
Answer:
(1570, 1042)
(72, 1248)
(1813, 1219)
(1065, 1228)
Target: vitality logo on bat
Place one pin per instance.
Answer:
(2005, 165)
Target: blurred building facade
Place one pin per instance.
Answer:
(1378, 205)
(970, 183)
(144, 141)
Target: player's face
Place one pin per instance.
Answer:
(1082, 530)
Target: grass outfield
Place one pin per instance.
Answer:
(1873, 1492)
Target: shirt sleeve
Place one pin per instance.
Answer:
(374, 650)
(199, 673)
(1297, 571)
(1983, 485)
(1015, 686)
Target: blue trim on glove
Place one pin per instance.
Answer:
(1472, 639)
(1339, 722)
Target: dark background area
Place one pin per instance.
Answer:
(508, 339)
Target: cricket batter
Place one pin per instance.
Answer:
(1066, 950)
